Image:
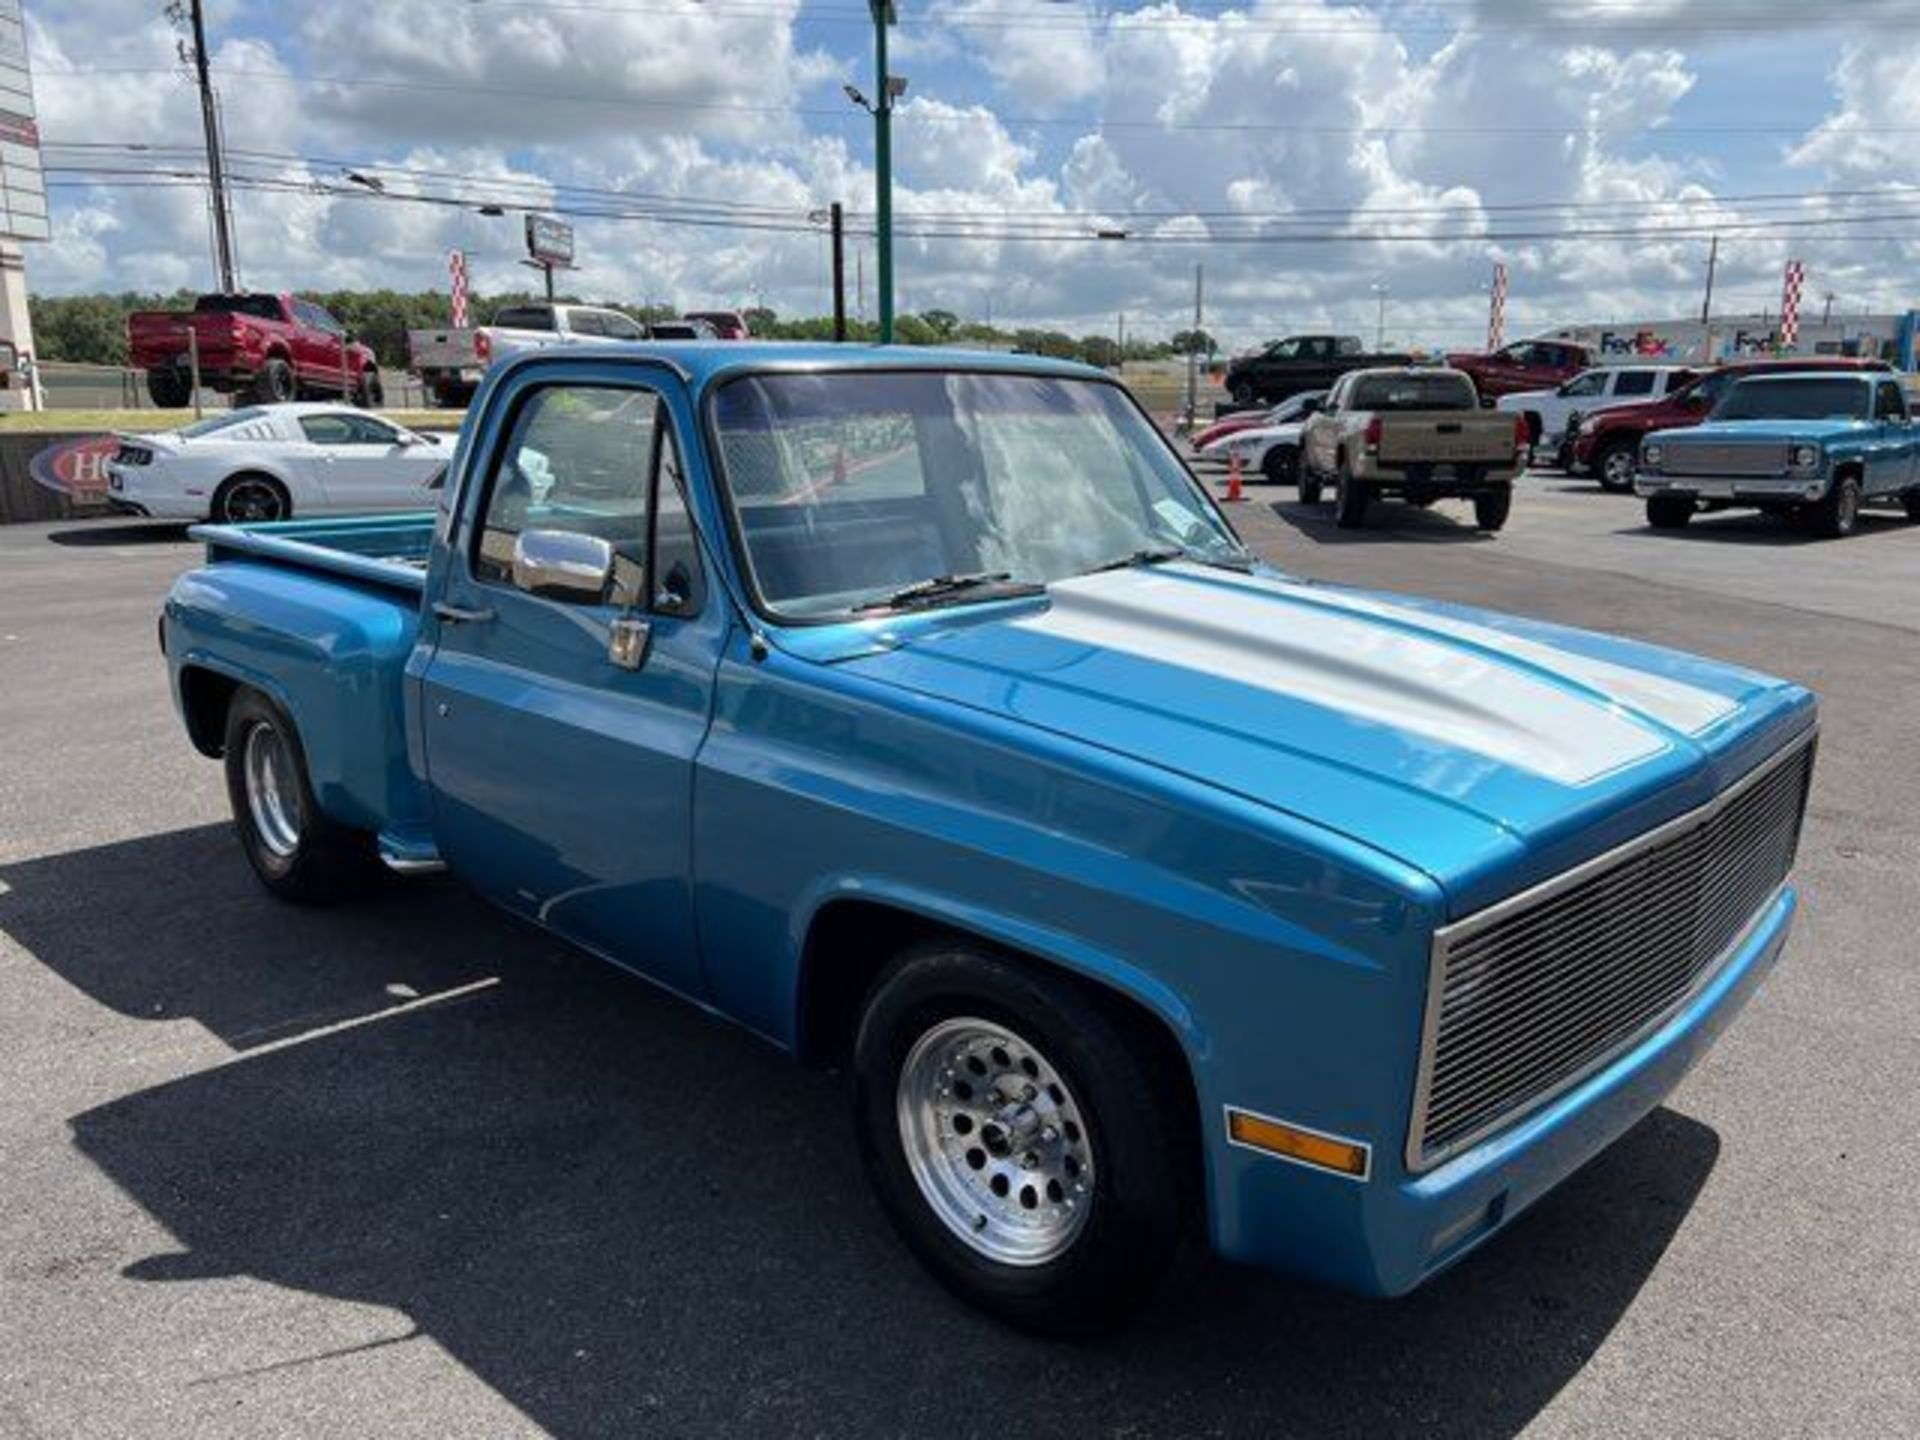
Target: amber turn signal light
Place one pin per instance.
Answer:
(1306, 1147)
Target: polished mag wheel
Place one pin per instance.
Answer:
(273, 790)
(995, 1141)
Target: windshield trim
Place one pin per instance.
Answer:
(730, 514)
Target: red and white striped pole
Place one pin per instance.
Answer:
(1791, 286)
(457, 275)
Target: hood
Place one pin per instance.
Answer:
(1721, 431)
(1228, 425)
(1487, 751)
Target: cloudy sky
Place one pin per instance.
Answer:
(1304, 151)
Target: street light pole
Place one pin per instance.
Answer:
(883, 16)
(1380, 319)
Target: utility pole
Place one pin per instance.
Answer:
(1706, 303)
(216, 167)
(1193, 346)
(1826, 311)
(883, 16)
(839, 276)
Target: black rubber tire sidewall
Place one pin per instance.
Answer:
(1912, 502)
(1280, 464)
(168, 389)
(1490, 511)
(1349, 498)
(1309, 489)
(1143, 1192)
(1664, 513)
(275, 383)
(330, 861)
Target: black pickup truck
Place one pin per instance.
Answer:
(1299, 363)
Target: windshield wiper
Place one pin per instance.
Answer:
(946, 587)
(1241, 562)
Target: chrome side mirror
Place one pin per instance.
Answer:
(563, 565)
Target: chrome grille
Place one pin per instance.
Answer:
(1532, 994)
(1706, 458)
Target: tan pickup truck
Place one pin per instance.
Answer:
(1418, 433)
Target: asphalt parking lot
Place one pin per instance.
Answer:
(407, 1169)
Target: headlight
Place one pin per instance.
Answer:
(1651, 455)
(1805, 457)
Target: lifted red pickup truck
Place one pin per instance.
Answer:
(266, 348)
(1523, 365)
(1608, 441)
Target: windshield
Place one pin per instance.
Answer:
(1839, 398)
(1413, 392)
(214, 423)
(848, 486)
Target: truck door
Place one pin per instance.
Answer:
(1895, 450)
(560, 724)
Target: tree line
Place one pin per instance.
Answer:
(92, 329)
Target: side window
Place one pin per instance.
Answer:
(322, 318)
(327, 429)
(580, 458)
(678, 586)
(1890, 404)
(1594, 382)
(585, 322)
(616, 326)
(1633, 382)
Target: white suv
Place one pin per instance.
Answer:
(1552, 414)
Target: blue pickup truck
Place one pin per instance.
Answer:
(922, 714)
(1811, 448)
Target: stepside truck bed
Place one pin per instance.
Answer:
(322, 616)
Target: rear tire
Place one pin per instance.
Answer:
(1349, 498)
(1912, 501)
(1243, 393)
(1281, 464)
(1490, 511)
(1836, 515)
(1025, 1138)
(1614, 464)
(169, 389)
(1669, 512)
(251, 499)
(368, 392)
(296, 850)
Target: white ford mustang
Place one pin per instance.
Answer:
(272, 462)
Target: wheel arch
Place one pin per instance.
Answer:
(848, 937)
(206, 695)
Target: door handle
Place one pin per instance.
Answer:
(459, 615)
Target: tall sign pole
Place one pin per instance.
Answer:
(216, 166)
(883, 16)
(1706, 304)
(837, 220)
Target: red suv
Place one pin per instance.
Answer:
(1608, 441)
(1523, 365)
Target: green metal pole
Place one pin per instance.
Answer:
(883, 165)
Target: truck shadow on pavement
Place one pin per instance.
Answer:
(120, 532)
(627, 1218)
(1388, 522)
(1750, 527)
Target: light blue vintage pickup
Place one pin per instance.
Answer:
(919, 712)
(1811, 448)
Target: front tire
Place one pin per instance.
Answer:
(1243, 393)
(1614, 466)
(1309, 487)
(1912, 502)
(368, 392)
(1023, 1136)
(1837, 514)
(295, 849)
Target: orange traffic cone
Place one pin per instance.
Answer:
(1233, 477)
